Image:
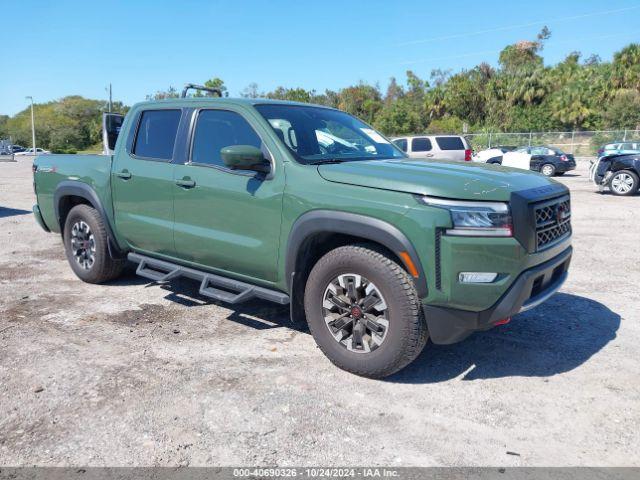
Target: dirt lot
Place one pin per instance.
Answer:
(139, 374)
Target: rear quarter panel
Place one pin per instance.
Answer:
(631, 162)
(93, 170)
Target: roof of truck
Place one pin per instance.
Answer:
(190, 101)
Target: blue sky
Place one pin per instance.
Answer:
(78, 47)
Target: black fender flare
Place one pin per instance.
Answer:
(83, 190)
(333, 221)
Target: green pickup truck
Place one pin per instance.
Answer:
(308, 206)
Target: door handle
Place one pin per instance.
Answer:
(428, 154)
(186, 183)
(124, 174)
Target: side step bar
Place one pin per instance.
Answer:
(235, 290)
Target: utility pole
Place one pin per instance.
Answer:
(110, 99)
(33, 126)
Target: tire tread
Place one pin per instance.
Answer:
(105, 268)
(415, 330)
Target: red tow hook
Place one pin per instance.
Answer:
(504, 321)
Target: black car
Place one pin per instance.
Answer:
(621, 173)
(549, 161)
(17, 148)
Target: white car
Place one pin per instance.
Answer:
(518, 159)
(491, 155)
(438, 147)
(29, 151)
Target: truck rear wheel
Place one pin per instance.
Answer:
(364, 312)
(85, 242)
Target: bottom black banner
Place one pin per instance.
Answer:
(205, 473)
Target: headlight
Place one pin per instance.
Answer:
(475, 219)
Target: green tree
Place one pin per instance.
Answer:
(171, 92)
(218, 83)
(3, 126)
(626, 67)
(291, 94)
(329, 98)
(67, 125)
(465, 95)
(624, 110)
(399, 117)
(362, 100)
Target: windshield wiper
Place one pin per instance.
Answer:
(326, 161)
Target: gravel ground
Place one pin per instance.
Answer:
(133, 373)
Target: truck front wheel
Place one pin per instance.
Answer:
(363, 311)
(85, 243)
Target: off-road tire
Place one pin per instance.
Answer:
(633, 188)
(103, 268)
(407, 330)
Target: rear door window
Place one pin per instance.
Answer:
(450, 143)
(539, 151)
(420, 144)
(401, 143)
(156, 134)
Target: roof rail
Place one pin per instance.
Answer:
(193, 86)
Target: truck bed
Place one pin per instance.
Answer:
(51, 170)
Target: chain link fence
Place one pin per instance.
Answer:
(579, 143)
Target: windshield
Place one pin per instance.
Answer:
(317, 135)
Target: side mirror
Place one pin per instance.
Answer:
(245, 157)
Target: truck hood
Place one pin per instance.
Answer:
(464, 181)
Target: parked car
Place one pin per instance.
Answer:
(438, 147)
(29, 151)
(376, 251)
(492, 155)
(17, 148)
(549, 161)
(619, 173)
(618, 148)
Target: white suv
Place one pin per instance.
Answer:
(438, 147)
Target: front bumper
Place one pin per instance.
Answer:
(38, 216)
(530, 289)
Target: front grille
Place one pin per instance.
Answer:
(553, 221)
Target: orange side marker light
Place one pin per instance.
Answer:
(406, 258)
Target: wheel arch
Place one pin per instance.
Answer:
(631, 163)
(316, 232)
(70, 193)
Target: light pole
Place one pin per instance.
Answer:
(110, 99)
(33, 126)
